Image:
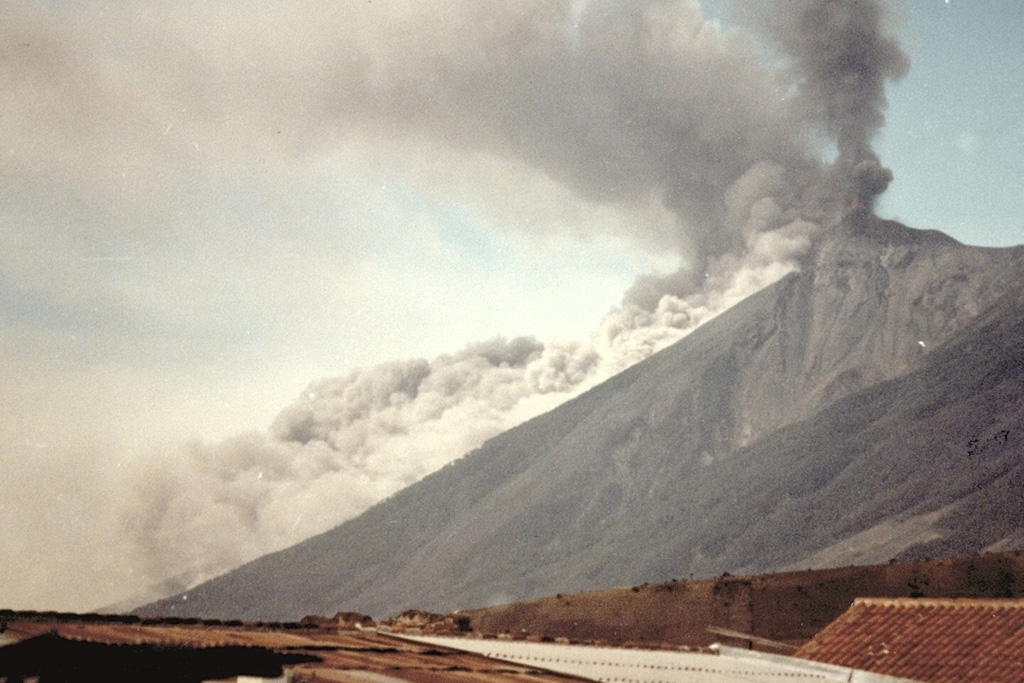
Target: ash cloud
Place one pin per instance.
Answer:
(843, 53)
(638, 102)
(350, 441)
(623, 104)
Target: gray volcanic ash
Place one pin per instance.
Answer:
(617, 104)
(865, 408)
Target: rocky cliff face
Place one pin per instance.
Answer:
(875, 300)
(867, 407)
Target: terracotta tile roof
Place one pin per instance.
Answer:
(956, 639)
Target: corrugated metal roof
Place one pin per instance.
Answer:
(937, 640)
(639, 665)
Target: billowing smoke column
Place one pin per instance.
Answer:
(621, 102)
(844, 57)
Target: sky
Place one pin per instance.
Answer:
(262, 264)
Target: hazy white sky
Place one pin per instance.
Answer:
(206, 206)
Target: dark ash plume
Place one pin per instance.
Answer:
(843, 53)
(868, 179)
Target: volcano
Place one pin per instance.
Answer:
(869, 407)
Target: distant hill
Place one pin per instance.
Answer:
(787, 608)
(869, 407)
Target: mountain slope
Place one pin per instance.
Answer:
(866, 407)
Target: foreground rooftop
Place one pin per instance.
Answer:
(953, 640)
(115, 651)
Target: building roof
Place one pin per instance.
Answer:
(311, 653)
(51, 656)
(641, 665)
(938, 640)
